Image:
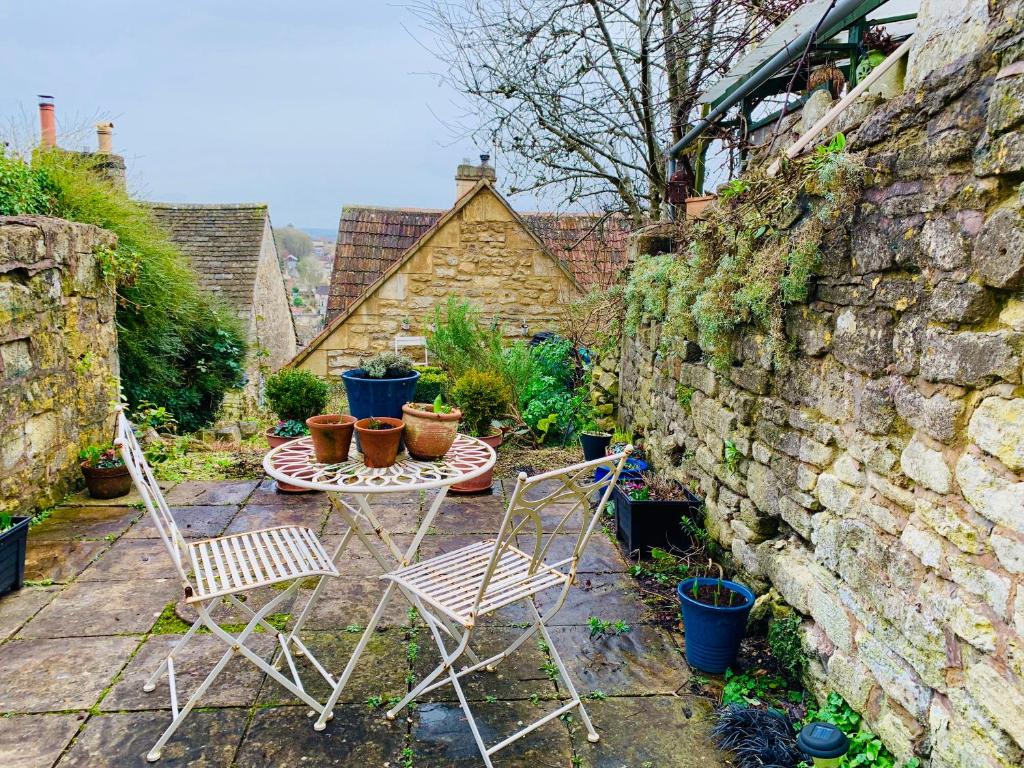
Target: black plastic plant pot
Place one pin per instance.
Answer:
(595, 446)
(713, 632)
(12, 554)
(642, 525)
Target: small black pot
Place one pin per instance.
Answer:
(12, 554)
(595, 446)
(642, 525)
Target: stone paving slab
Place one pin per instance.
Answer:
(266, 494)
(18, 607)
(348, 601)
(132, 559)
(208, 739)
(237, 686)
(398, 512)
(228, 613)
(608, 596)
(58, 675)
(253, 517)
(68, 523)
(210, 492)
(355, 738)
(198, 522)
(36, 741)
(477, 514)
(119, 608)
(59, 561)
(600, 556)
(130, 499)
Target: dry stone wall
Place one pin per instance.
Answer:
(880, 486)
(58, 356)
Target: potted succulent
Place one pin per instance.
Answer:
(648, 510)
(379, 438)
(105, 473)
(332, 436)
(294, 396)
(595, 441)
(13, 539)
(380, 386)
(483, 397)
(430, 428)
(715, 615)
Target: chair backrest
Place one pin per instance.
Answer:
(555, 498)
(135, 459)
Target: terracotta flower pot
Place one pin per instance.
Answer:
(380, 446)
(483, 482)
(332, 436)
(429, 435)
(107, 483)
(274, 441)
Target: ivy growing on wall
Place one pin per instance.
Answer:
(755, 253)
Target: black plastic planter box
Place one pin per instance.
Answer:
(642, 525)
(12, 554)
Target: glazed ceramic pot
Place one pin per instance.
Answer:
(429, 435)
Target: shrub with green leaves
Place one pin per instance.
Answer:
(433, 381)
(552, 401)
(460, 341)
(483, 397)
(387, 365)
(787, 650)
(297, 395)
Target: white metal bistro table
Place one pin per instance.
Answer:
(350, 485)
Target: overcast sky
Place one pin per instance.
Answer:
(305, 104)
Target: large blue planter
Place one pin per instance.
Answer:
(378, 397)
(632, 471)
(713, 634)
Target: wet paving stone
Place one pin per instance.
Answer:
(210, 492)
(88, 608)
(355, 737)
(480, 515)
(348, 601)
(641, 662)
(254, 517)
(397, 512)
(68, 523)
(59, 561)
(36, 741)
(609, 596)
(441, 735)
(131, 499)
(57, 675)
(199, 522)
(236, 686)
(662, 731)
(132, 559)
(266, 494)
(600, 555)
(229, 614)
(205, 740)
(18, 607)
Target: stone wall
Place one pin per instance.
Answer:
(484, 254)
(58, 356)
(880, 481)
(271, 328)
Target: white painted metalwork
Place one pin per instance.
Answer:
(215, 572)
(457, 588)
(294, 463)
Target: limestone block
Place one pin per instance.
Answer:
(831, 616)
(981, 580)
(834, 494)
(1000, 695)
(1013, 314)
(937, 415)
(763, 488)
(999, 252)
(963, 614)
(895, 676)
(863, 339)
(796, 516)
(966, 530)
(926, 466)
(924, 544)
(997, 426)
(960, 302)
(970, 359)
(992, 495)
(851, 679)
(945, 247)
(849, 470)
(1009, 548)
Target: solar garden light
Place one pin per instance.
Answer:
(823, 742)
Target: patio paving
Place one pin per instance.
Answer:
(103, 605)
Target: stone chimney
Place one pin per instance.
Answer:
(47, 122)
(104, 140)
(467, 175)
(106, 163)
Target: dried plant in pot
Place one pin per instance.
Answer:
(379, 439)
(105, 473)
(332, 436)
(430, 428)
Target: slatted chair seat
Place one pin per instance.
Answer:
(244, 561)
(450, 582)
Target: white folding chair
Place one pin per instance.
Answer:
(454, 590)
(216, 571)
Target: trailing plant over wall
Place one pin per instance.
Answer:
(753, 254)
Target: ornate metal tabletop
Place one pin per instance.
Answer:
(295, 464)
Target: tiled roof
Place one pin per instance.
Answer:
(372, 239)
(223, 243)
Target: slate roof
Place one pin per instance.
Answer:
(372, 238)
(222, 241)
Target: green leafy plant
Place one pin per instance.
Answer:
(6, 521)
(664, 567)
(600, 627)
(146, 415)
(866, 749)
(756, 688)
(460, 341)
(387, 365)
(786, 648)
(439, 406)
(731, 457)
(290, 428)
(433, 381)
(483, 397)
(684, 396)
(297, 395)
(101, 456)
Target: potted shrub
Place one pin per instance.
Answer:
(13, 539)
(105, 473)
(294, 396)
(483, 397)
(595, 441)
(379, 437)
(715, 615)
(648, 510)
(433, 381)
(332, 436)
(430, 428)
(381, 386)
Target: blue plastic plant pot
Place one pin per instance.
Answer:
(632, 471)
(378, 397)
(713, 633)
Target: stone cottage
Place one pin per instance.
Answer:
(392, 266)
(233, 253)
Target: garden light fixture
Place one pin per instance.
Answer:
(823, 742)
